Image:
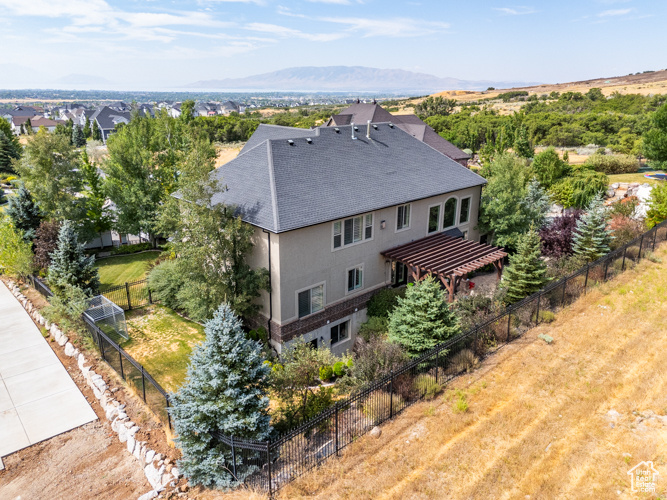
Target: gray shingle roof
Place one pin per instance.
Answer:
(108, 118)
(265, 132)
(360, 113)
(281, 187)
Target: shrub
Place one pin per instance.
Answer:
(657, 204)
(15, 253)
(426, 386)
(373, 327)
(612, 164)
(259, 335)
(461, 403)
(339, 368)
(137, 247)
(545, 317)
(66, 307)
(45, 242)
(472, 309)
(556, 238)
(375, 359)
(626, 207)
(580, 188)
(326, 373)
(547, 338)
(548, 167)
(165, 282)
(463, 361)
(624, 229)
(378, 408)
(384, 302)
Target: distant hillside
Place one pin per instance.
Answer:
(348, 79)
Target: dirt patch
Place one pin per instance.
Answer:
(87, 462)
(227, 152)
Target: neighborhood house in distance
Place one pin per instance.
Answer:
(342, 211)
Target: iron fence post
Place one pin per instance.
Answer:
(641, 244)
(336, 410)
(562, 299)
(606, 268)
(391, 395)
(268, 463)
(655, 234)
(625, 249)
(127, 291)
(166, 398)
(437, 359)
(233, 458)
(509, 324)
(537, 313)
(120, 359)
(150, 295)
(588, 268)
(143, 382)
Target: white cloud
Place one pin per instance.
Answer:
(515, 11)
(396, 27)
(337, 2)
(285, 32)
(615, 12)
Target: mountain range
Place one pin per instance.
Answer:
(349, 79)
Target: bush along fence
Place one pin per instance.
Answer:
(272, 464)
(130, 370)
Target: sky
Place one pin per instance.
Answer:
(156, 45)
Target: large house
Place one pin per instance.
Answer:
(108, 118)
(361, 113)
(342, 212)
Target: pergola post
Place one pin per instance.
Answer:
(450, 285)
(498, 265)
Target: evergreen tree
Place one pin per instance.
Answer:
(78, 139)
(536, 204)
(24, 213)
(10, 149)
(97, 133)
(225, 391)
(86, 129)
(526, 272)
(522, 145)
(657, 205)
(28, 127)
(70, 265)
(591, 238)
(98, 217)
(422, 319)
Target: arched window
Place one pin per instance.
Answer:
(450, 213)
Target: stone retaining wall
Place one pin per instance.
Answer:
(160, 471)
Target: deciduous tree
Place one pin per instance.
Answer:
(655, 139)
(657, 205)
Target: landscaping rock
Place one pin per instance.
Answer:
(376, 432)
(176, 473)
(610, 193)
(101, 385)
(122, 433)
(138, 449)
(149, 496)
(111, 412)
(150, 454)
(63, 340)
(154, 476)
(166, 479)
(53, 329)
(131, 443)
(69, 349)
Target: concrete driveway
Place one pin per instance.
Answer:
(38, 398)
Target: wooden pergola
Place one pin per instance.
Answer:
(447, 257)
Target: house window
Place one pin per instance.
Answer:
(465, 211)
(399, 274)
(340, 332)
(450, 213)
(433, 219)
(311, 300)
(352, 230)
(403, 217)
(355, 278)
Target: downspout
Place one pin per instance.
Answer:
(268, 235)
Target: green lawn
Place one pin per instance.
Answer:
(638, 177)
(125, 268)
(162, 341)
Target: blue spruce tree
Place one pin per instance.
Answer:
(24, 213)
(70, 265)
(526, 272)
(225, 391)
(591, 238)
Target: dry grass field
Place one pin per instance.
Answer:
(538, 423)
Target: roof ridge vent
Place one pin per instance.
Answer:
(337, 130)
(290, 142)
(309, 140)
(353, 128)
(391, 125)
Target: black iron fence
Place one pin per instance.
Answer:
(130, 295)
(272, 464)
(130, 370)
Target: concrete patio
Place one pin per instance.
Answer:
(38, 398)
